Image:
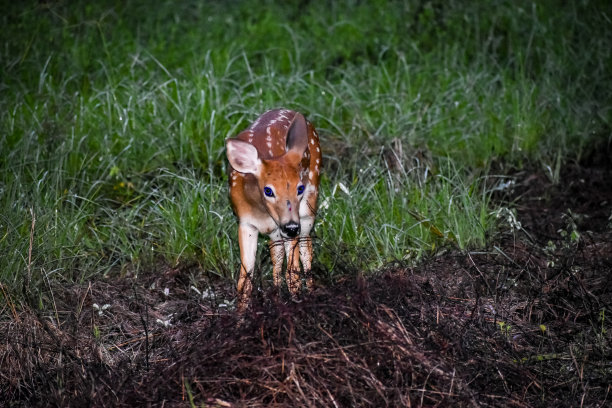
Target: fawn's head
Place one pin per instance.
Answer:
(279, 178)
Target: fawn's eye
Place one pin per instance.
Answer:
(300, 190)
(268, 192)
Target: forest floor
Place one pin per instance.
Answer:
(524, 322)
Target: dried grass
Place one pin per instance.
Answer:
(520, 324)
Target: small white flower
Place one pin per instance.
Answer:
(102, 308)
(342, 187)
(208, 293)
(226, 304)
(511, 219)
(164, 323)
(503, 186)
(325, 204)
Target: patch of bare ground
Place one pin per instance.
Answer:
(524, 323)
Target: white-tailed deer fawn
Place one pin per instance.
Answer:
(274, 185)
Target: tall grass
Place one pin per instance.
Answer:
(113, 118)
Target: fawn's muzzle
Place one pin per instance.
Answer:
(291, 230)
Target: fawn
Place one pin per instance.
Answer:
(274, 185)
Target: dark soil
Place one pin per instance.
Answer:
(523, 323)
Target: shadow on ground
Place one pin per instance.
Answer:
(525, 322)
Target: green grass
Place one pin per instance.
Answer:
(113, 118)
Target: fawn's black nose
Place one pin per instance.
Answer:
(291, 230)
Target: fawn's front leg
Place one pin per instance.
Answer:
(293, 266)
(306, 258)
(247, 240)
(277, 254)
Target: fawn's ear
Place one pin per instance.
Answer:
(243, 156)
(297, 135)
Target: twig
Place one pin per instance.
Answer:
(31, 243)
(146, 328)
(26, 283)
(481, 274)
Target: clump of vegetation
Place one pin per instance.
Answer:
(114, 116)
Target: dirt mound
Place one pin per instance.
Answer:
(523, 323)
